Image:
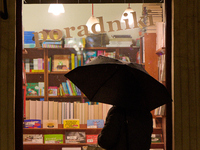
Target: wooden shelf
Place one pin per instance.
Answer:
(58, 72)
(36, 73)
(59, 130)
(59, 146)
(78, 96)
(28, 97)
(157, 130)
(109, 48)
(157, 145)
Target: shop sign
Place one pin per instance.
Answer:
(83, 29)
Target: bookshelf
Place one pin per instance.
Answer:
(62, 131)
(152, 59)
(54, 78)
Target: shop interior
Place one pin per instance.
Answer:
(55, 44)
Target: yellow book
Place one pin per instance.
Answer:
(33, 70)
(71, 123)
(72, 61)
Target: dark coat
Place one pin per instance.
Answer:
(122, 124)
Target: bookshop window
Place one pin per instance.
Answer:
(56, 111)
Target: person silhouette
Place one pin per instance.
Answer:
(126, 129)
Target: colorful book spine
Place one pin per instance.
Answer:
(65, 88)
(73, 88)
(72, 60)
(76, 61)
(69, 87)
(61, 90)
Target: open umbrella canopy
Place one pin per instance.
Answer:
(119, 83)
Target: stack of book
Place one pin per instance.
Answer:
(120, 41)
(28, 39)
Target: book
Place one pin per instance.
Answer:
(49, 64)
(50, 123)
(78, 90)
(52, 90)
(53, 138)
(71, 123)
(45, 113)
(62, 111)
(69, 87)
(96, 111)
(27, 109)
(35, 64)
(75, 137)
(100, 52)
(27, 65)
(66, 111)
(41, 88)
(74, 92)
(38, 111)
(92, 139)
(51, 108)
(85, 113)
(32, 89)
(40, 63)
(55, 110)
(75, 110)
(100, 105)
(32, 138)
(72, 61)
(95, 123)
(88, 56)
(32, 123)
(71, 110)
(65, 88)
(59, 112)
(61, 90)
(60, 63)
(155, 138)
(32, 109)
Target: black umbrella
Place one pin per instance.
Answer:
(112, 81)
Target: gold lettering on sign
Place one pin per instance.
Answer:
(36, 37)
(83, 29)
(135, 19)
(68, 31)
(110, 24)
(51, 34)
(100, 24)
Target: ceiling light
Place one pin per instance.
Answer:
(128, 15)
(92, 20)
(56, 9)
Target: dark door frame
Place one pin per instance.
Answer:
(18, 79)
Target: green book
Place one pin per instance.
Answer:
(32, 89)
(53, 138)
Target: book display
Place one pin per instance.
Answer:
(62, 109)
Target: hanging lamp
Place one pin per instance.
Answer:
(92, 20)
(128, 15)
(56, 9)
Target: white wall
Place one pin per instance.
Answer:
(36, 17)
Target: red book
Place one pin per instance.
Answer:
(92, 139)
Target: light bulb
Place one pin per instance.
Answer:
(56, 9)
(92, 20)
(127, 15)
